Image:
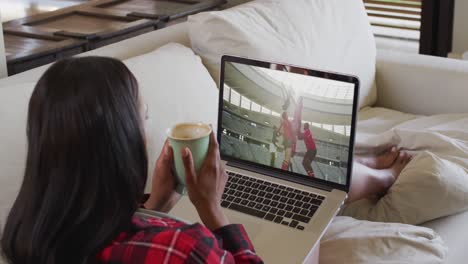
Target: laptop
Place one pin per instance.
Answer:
(286, 134)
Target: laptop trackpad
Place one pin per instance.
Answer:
(253, 226)
(185, 210)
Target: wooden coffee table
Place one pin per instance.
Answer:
(41, 39)
(25, 51)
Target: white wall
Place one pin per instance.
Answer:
(460, 31)
(3, 67)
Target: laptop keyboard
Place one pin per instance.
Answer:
(273, 202)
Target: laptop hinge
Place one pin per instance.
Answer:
(279, 175)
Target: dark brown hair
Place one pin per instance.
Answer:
(86, 164)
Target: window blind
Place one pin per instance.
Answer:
(399, 19)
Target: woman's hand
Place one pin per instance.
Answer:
(163, 195)
(206, 188)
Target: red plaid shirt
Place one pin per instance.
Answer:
(164, 240)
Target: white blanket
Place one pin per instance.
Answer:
(354, 241)
(444, 137)
(435, 183)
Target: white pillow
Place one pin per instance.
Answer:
(332, 35)
(14, 102)
(177, 88)
(353, 241)
(429, 187)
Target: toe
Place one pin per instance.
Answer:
(391, 156)
(407, 158)
(401, 157)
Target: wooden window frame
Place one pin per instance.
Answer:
(437, 27)
(436, 17)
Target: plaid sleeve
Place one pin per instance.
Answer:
(233, 246)
(161, 240)
(235, 240)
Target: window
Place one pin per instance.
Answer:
(348, 130)
(395, 21)
(266, 110)
(226, 91)
(437, 27)
(327, 127)
(245, 103)
(235, 97)
(418, 26)
(339, 129)
(255, 107)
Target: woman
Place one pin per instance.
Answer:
(85, 174)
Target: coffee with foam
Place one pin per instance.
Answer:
(186, 131)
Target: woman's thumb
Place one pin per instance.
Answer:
(188, 165)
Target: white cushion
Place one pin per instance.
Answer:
(332, 35)
(353, 241)
(177, 88)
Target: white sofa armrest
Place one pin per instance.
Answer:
(3, 65)
(421, 84)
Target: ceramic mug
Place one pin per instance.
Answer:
(194, 136)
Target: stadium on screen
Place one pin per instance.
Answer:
(257, 99)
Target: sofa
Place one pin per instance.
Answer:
(408, 86)
(3, 66)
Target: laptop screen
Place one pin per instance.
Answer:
(288, 118)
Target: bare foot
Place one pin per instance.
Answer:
(387, 177)
(400, 163)
(381, 161)
(372, 183)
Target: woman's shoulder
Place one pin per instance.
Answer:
(153, 238)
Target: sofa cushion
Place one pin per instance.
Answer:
(176, 87)
(332, 35)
